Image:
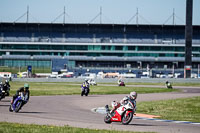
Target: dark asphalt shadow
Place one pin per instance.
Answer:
(5, 100)
(141, 125)
(31, 112)
(90, 96)
(4, 105)
(134, 124)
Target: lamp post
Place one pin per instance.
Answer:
(188, 39)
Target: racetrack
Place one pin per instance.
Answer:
(75, 111)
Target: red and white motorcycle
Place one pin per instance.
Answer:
(123, 114)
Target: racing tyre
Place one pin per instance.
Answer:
(10, 108)
(107, 119)
(127, 118)
(82, 93)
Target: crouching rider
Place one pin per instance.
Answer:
(24, 90)
(132, 98)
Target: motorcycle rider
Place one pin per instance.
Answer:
(1, 85)
(6, 87)
(132, 98)
(24, 90)
(119, 81)
(168, 85)
(1, 89)
(85, 85)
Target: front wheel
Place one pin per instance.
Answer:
(10, 108)
(18, 106)
(127, 117)
(107, 119)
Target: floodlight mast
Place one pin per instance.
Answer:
(27, 17)
(188, 39)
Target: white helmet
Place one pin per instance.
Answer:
(133, 95)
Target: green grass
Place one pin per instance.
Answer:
(62, 88)
(27, 128)
(184, 109)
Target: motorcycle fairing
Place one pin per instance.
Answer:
(116, 117)
(15, 101)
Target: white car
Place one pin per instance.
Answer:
(128, 75)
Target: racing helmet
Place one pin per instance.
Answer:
(133, 95)
(26, 86)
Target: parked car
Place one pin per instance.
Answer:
(88, 76)
(128, 75)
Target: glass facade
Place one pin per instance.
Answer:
(91, 41)
(98, 50)
(24, 63)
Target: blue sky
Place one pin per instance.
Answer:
(113, 11)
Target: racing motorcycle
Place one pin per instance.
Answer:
(85, 90)
(7, 90)
(169, 85)
(121, 83)
(2, 93)
(123, 114)
(18, 102)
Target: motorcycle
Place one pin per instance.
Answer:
(7, 90)
(85, 90)
(169, 85)
(121, 83)
(18, 103)
(2, 93)
(123, 114)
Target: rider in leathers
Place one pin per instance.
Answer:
(85, 84)
(132, 98)
(6, 87)
(24, 90)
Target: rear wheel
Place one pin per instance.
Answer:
(127, 118)
(107, 119)
(82, 93)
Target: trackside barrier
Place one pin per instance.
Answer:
(110, 80)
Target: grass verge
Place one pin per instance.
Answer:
(27, 128)
(62, 88)
(184, 109)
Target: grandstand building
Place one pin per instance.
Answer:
(96, 45)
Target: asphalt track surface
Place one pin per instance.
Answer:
(74, 110)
